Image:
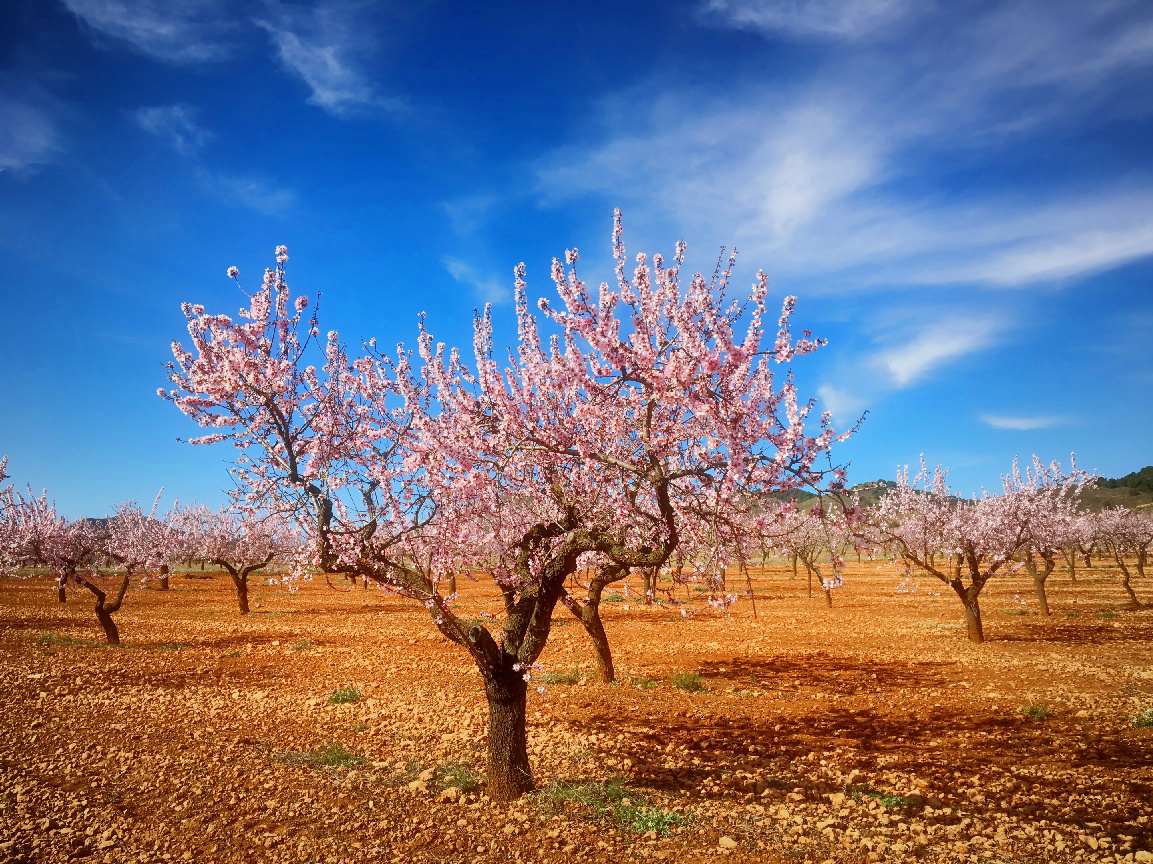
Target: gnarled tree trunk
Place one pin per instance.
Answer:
(509, 772)
(968, 595)
(162, 581)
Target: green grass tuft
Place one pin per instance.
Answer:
(300, 646)
(1107, 615)
(689, 681)
(1144, 720)
(459, 775)
(566, 677)
(610, 800)
(887, 800)
(1036, 712)
(53, 639)
(345, 696)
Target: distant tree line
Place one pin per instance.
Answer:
(1140, 481)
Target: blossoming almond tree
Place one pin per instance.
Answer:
(590, 441)
(1046, 505)
(240, 541)
(1126, 534)
(966, 543)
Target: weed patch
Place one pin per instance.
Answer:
(1144, 720)
(1036, 712)
(345, 696)
(688, 681)
(611, 801)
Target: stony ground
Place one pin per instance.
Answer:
(872, 731)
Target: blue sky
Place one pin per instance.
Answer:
(960, 194)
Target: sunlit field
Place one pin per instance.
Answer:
(336, 724)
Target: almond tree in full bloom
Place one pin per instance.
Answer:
(607, 437)
(1046, 505)
(240, 541)
(966, 543)
(75, 550)
(1126, 535)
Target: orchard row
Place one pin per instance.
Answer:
(656, 428)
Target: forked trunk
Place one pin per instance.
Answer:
(1039, 576)
(509, 773)
(649, 578)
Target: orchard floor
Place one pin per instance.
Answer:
(871, 731)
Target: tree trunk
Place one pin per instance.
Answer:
(810, 572)
(603, 655)
(1072, 566)
(241, 583)
(61, 591)
(828, 598)
(105, 619)
(968, 597)
(649, 581)
(1133, 601)
(509, 772)
(451, 583)
(162, 584)
(1039, 578)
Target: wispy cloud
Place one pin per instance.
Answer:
(28, 136)
(488, 289)
(175, 124)
(257, 193)
(1020, 424)
(842, 19)
(327, 46)
(934, 346)
(184, 32)
(844, 406)
(827, 173)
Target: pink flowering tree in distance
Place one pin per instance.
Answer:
(1046, 505)
(964, 543)
(243, 542)
(1127, 537)
(594, 440)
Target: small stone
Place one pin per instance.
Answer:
(1142, 856)
(727, 843)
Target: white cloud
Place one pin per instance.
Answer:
(177, 125)
(843, 405)
(809, 175)
(842, 19)
(28, 137)
(1022, 424)
(256, 193)
(489, 290)
(327, 47)
(172, 31)
(934, 346)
